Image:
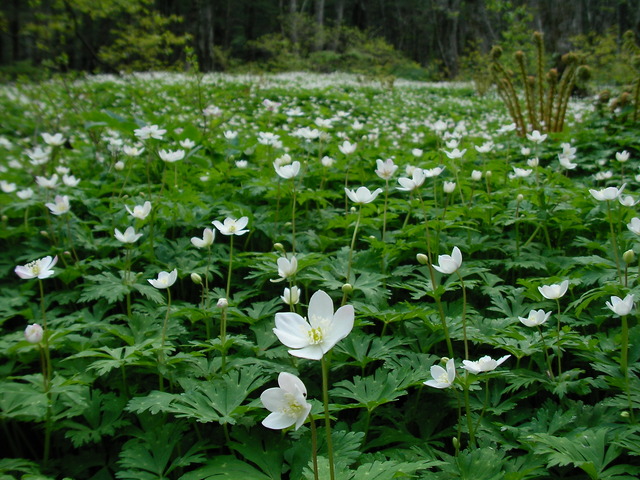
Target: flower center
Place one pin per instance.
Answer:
(293, 408)
(443, 378)
(316, 336)
(34, 267)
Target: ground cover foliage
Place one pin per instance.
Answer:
(133, 380)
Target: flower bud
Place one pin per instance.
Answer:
(520, 197)
(422, 259)
(33, 333)
(628, 257)
(119, 165)
(195, 278)
(455, 443)
(279, 247)
(488, 174)
(624, 414)
(347, 288)
(222, 303)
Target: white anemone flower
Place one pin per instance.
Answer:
(41, 268)
(347, 147)
(288, 403)
(286, 268)
(291, 296)
(442, 378)
(555, 291)
(171, 156)
(620, 306)
(362, 195)
(59, 206)
(314, 337)
(140, 211)
(287, 171)
(53, 140)
(536, 137)
(165, 279)
(386, 169)
(208, 236)
(535, 318)
(634, 226)
(129, 235)
(605, 194)
(449, 263)
(33, 333)
(231, 226)
(416, 180)
(485, 364)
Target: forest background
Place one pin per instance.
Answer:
(415, 39)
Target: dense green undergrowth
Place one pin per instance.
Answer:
(132, 381)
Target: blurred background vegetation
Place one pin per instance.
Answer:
(415, 39)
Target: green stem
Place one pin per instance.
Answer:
(314, 447)
(230, 267)
(546, 354)
(223, 338)
(559, 348)
(293, 217)
(166, 321)
(614, 243)
(353, 243)
(464, 317)
(484, 406)
(467, 404)
(384, 212)
(327, 417)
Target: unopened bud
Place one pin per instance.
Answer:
(222, 303)
(422, 259)
(624, 414)
(44, 233)
(520, 197)
(353, 210)
(119, 165)
(488, 174)
(444, 360)
(347, 288)
(195, 278)
(279, 247)
(628, 256)
(33, 333)
(455, 442)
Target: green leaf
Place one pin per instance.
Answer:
(104, 285)
(225, 466)
(370, 392)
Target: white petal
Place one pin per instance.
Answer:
(291, 383)
(311, 352)
(273, 399)
(320, 307)
(278, 421)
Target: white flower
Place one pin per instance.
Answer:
(455, 153)
(536, 137)
(119, 165)
(60, 205)
(485, 364)
(212, 111)
(417, 152)
(533, 162)
(442, 378)
(555, 291)
(566, 162)
(271, 105)
(416, 180)
(525, 151)
(25, 194)
(521, 172)
(627, 200)
(453, 143)
(362, 195)
(485, 147)
(287, 171)
(222, 303)
(634, 226)
(287, 268)
(476, 175)
(140, 211)
(53, 140)
(386, 169)
(165, 279)
(33, 333)
(347, 147)
(208, 235)
(132, 151)
(187, 143)
(609, 193)
(449, 187)
(622, 156)
(604, 175)
(231, 226)
(535, 318)
(621, 307)
(327, 161)
(41, 268)
(313, 338)
(129, 235)
(230, 134)
(432, 172)
(149, 131)
(171, 156)
(39, 156)
(268, 138)
(449, 263)
(7, 187)
(291, 296)
(242, 163)
(70, 180)
(47, 182)
(288, 404)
